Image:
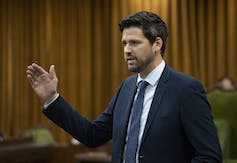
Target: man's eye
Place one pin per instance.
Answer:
(134, 42)
(131, 43)
(124, 43)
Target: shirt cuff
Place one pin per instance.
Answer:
(46, 104)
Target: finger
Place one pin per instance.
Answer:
(31, 69)
(34, 72)
(52, 71)
(31, 81)
(38, 69)
(31, 74)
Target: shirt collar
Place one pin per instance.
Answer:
(153, 77)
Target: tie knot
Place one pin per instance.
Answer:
(142, 84)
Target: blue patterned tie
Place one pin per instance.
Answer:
(132, 141)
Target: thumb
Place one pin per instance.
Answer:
(52, 71)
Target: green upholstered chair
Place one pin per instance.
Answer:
(230, 161)
(41, 134)
(223, 130)
(224, 106)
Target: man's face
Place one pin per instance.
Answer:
(139, 53)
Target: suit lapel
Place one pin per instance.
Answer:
(130, 90)
(160, 90)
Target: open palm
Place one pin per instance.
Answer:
(43, 83)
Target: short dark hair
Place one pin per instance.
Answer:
(150, 23)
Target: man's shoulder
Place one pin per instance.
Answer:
(183, 84)
(181, 78)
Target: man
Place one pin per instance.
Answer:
(166, 120)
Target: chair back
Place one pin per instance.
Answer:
(224, 106)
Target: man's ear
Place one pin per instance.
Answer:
(157, 45)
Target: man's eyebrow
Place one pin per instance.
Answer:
(132, 39)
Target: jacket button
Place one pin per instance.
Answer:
(141, 156)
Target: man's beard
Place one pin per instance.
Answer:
(137, 68)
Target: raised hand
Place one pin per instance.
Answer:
(43, 83)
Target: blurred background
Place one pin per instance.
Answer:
(82, 39)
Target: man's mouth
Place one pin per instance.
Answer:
(131, 60)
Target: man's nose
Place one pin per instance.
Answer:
(127, 49)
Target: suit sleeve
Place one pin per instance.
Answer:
(199, 126)
(91, 133)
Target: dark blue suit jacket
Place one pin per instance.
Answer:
(179, 127)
